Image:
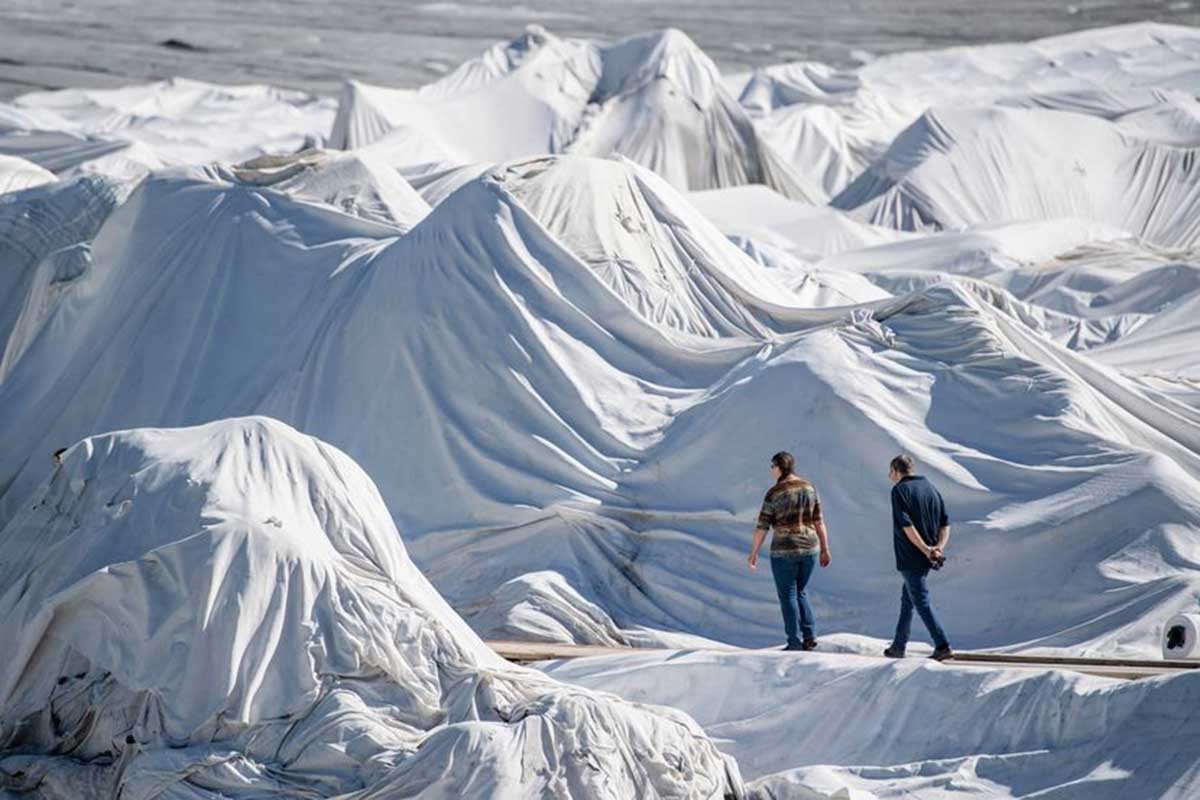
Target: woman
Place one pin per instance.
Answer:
(792, 508)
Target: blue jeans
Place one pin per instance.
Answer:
(791, 576)
(916, 595)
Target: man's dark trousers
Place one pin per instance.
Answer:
(916, 595)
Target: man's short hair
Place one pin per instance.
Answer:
(903, 464)
(784, 460)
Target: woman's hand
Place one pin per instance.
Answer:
(826, 557)
(753, 560)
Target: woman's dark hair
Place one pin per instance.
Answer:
(784, 461)
(903, 464)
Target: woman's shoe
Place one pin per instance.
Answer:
(942, 653)
(809, 644)
(893, 652)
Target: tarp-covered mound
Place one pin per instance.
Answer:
(520, 98)
(1094, 286)
(655, 98)
(355, 183)
(228, 611)
(829, 145)
(661, 103)
(954, 168)
(45, 235)
(650, 247)
(216, 281)
(829, 125)
(128, 131)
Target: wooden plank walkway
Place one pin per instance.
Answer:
(1124, 669)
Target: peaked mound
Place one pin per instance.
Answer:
(830, 126)
(650, 246)
(520, 99)
(228, 611)
(654, 98)
(660, 102)
(128, 131)
(954, 168)
(796, 82)
(255, 256)
(358, 183)
(533, 49)
(1092, 285)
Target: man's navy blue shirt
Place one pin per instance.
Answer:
(917, 503)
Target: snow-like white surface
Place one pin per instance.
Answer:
(565, 376)
(228, 611)
(17, 174)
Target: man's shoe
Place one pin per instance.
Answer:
(893, 652)
(794, 647)
(942, 653)
(809, 644)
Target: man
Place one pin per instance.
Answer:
(793, 509)
(920, 533)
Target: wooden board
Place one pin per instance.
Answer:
(1123, 669)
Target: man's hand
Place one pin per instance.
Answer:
(753, 560)
(935, 553)
(826, 558)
